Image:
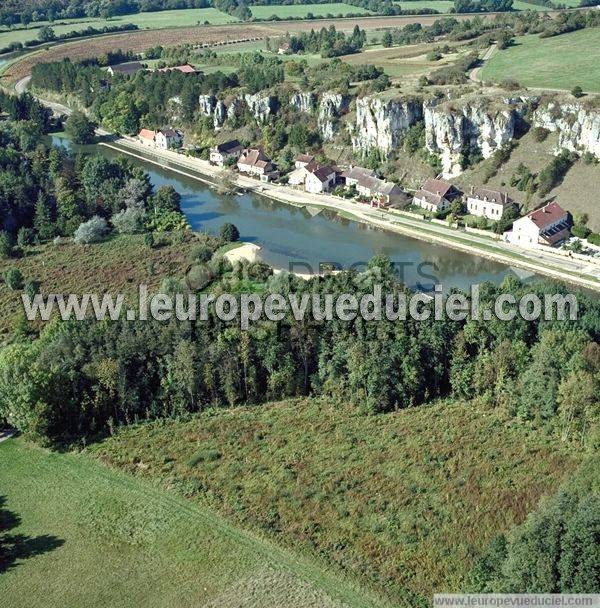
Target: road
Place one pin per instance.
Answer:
(474, 74)
(541, 261)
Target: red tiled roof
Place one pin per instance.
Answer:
(548, 214)
(184, 69)
(304, 158)
(437, 186)
(147, 134)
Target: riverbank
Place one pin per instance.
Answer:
(547, 263)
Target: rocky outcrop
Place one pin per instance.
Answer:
(303, 102)
(383, 124)
(477, 125)
(261, 106)
(331, 107)
(219, 114)
(206, 104)
(578, 127)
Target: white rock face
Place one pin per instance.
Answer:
(219, 114)
(303, 102)
(235, 108)
(449, 131)
(383, 124)
(206, 104)
(261, 106)
(578, 127)
(331, 108)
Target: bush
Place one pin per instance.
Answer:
(149, 240)
(594, 239)
(6, 244)
(202, 253)
(13, 279)
(552, 175)
(129, 221)
(577, 92)
(229, 233)
(580, 232)
(25, 237)
(540, 134)
(91, 231)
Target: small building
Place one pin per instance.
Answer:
(549, 225)
(184, 69)
(491, 204)
(147, 137)
(319, 178)
(302, 160)
(255, 162)
(354, 175)
(435, 195)
(168, 138)
(221, 153)
(381, 193)
(284, 49)
(129, 68)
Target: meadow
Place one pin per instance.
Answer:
(83, 535)
(153, 20)
(401, 501)
(299, 11)
(443, 6)
(559, 62)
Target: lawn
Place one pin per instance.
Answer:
(91, 536)
(402, 501)
(153, 20)
(560, 62)
(443, 6)
(302, 10)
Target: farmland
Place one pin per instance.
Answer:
(442, 6)
(88, 536)
(560, 62)
(301, 11)
(376, 495)
(154, 20)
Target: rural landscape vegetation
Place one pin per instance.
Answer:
(202, 147)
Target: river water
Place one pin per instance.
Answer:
(296, 239)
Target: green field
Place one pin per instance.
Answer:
(443, 6)
(86, 536)
(519, 5)
(402, 501)
(560, 62)
(154, 20)
(302, 10)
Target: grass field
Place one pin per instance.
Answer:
(154, 20)
(90, 536)
(443, 6)
(560, 62)
(403, 501)
(301, 10)
(117, 265)
(520, 5)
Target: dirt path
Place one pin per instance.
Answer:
(474, 74)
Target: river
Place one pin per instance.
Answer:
(298, 239)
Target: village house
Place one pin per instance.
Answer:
(255, 162)
(491, 204)
(436, 195)
(163, 139)
(368, 185)
(549, 225)
(354, 175)
(302, 160)
(297, 177)
(130, 68)
(184, 69)
(319, 178)
(168, 138)
(147, 136)
(221, 153)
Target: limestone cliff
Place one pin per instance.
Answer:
(331, 108)
(578, 127)
(454, 128)
(303, 102)
(383, 124)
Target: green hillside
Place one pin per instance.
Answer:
(402, 501)
(79, 535)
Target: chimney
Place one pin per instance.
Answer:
(472, 189)
(439, 193)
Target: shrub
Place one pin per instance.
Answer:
(25, 236)
(202, 253)
(577, 92)
(13, 279)
(91, 231)
(129, 221)
(554, 173)
(540, 134)
(6, 244)
(580, 232)
(149, 240)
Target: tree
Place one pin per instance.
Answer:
(129, 221)
(46, 34)
(79, 128)
(13, 279)
(166, 199)
(91, 231)
(577, 402)
(386, 39)
(6, 244)
(42, 221)
(229, 233)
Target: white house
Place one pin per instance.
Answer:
(354, 175)
(319, 179)
(302, 160)
(147, 136)
(483, 202)
(548, 225)
(221, 153)
(435, 195)
(168, 138)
